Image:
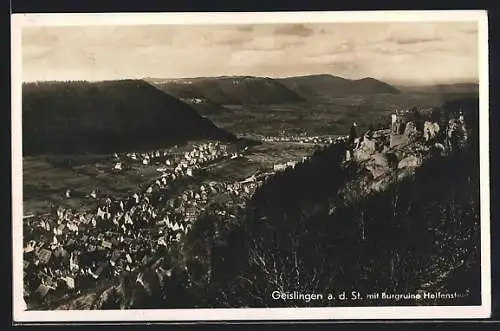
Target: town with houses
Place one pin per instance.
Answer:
(67, 251)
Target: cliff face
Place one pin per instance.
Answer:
(390, 157)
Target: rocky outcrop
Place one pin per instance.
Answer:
(456, 134)
(365, 149)
(381, 163)
(398, 140)
(431, 130)
(412, 133)
(378, 165)
(410, 128)
(410, 161)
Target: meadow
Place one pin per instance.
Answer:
(327, 116)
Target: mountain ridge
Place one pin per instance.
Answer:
(228, 89)
(314, 87)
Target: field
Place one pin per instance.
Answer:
(332, 116)
(47, 177)
(260, 158)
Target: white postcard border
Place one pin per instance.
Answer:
(20, 21)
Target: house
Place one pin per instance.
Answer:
(60, 228)
(279, 167)
(146, 259)
(44, 255)
(106, 244)
(162, 242)
(190, 214)
(60, 252)
(74, 261)
(115, 257)
(114, 241)
(30, 247)
(70, 282)
(249, 179)
(42, 290)
(100, 269)
(100, 213)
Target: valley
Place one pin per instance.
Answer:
(171, 181)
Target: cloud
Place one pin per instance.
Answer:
(220, 37)
(470, 31)
(292, 43)
(382, 50)
(413, 40)
(250, 58)
(294, 29)
(272, 43)
(343, 66)
(245, 28)
(235, 40)
(34, 52)
(345, 47)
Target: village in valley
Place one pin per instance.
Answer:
(69, 251)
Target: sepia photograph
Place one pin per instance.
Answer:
(250, 166)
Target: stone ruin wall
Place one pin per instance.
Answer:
(404, 134)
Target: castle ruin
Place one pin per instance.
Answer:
(409, 127)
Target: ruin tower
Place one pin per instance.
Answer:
(394, 118)
(399, 120)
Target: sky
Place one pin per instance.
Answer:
(398, 53)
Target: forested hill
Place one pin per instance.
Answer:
(314, 87)
(229, 90)
(79, 116)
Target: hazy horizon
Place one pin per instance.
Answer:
(410, 53)
(401, 84)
